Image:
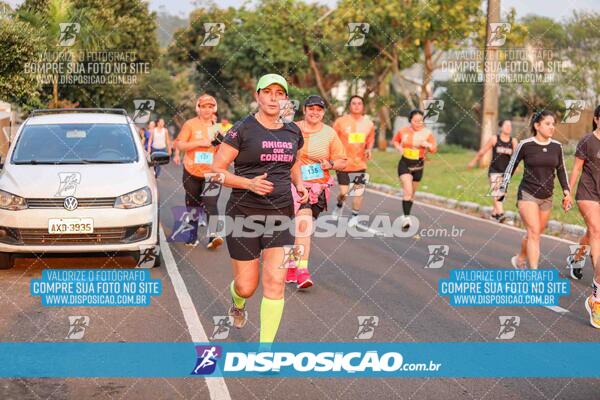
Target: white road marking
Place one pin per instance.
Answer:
(370, 230)
(557, 309)
(216, 386)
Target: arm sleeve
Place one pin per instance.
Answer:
(397, 137)
(561, 171)
(300, 139)
(581, 150)
(336, 149)
(371, 137)
(234, 136)
(512, 166)
(184, 134)
(431, 139)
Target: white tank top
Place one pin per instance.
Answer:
(159, 141)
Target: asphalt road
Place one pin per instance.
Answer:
(376, 276)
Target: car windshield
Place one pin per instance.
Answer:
(75, 144)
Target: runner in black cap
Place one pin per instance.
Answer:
(323, 151)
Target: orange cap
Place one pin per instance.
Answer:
(206, 99)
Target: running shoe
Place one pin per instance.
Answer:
(337, 212)
(576, 267)
(290, 276)
(405, 223)
(593, 308)
(303, 277)
(518, 264)
(240, 316)
(353, 221)
(214, 241)
(192, 243)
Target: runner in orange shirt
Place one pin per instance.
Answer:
(413, 142)
(357, 133)
(322, 151)
(196, 139)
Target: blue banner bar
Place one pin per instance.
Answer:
(326, 360)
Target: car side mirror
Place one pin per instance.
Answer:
(159, 158)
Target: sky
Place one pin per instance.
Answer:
(556, 9)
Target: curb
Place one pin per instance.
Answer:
(554, 227)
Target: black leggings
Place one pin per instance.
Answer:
(194, 187)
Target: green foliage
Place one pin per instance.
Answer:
(19, 45)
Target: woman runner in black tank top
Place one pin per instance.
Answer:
(502, 146)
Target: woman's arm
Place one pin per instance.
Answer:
(168, 142)
(223, 158)
(486, 147)
(512, 166)
(192, 144)
(430, 144)
(577, 167)
(150, 139)
(296, 174)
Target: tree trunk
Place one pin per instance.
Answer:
(489, 120)
(384, 113)
(319, 80)
(427, 72)
(54, 92)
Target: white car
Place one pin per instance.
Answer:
(79, 181)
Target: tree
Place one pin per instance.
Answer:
(106, 26)
(583, 39)
(19, 44)
(47, 22)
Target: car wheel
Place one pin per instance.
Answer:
(7, 260)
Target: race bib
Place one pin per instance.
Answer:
(356, 137)
(411, 154)
(312, 171)
(203, 157)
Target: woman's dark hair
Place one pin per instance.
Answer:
(596, 115)
(538, 117)
(413, 113)
(502, 121)
(355, 96)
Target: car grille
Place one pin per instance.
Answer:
(118, 235)
(100, 202)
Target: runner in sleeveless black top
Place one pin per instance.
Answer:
(502, 146)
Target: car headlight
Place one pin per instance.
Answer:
(138, 198)
(9, 201)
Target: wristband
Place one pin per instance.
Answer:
(217, 140)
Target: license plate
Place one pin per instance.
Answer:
(66, 226)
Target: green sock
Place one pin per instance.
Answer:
(302, 264)
(237, 299)
(270, 316)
